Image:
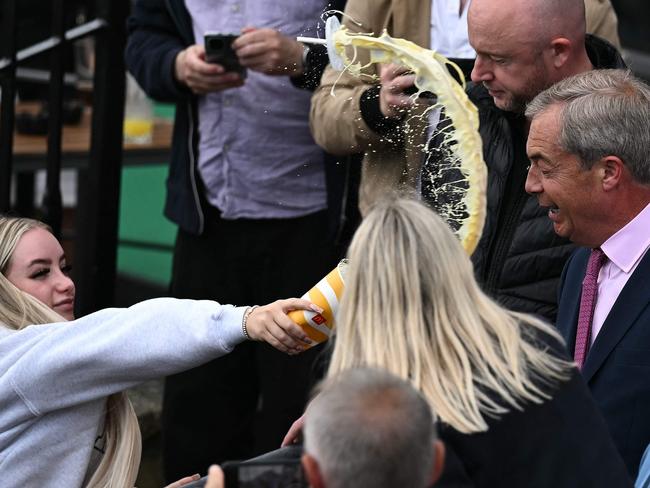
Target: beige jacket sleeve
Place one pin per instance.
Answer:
(602, 20)
(336, 121)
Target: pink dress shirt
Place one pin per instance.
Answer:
(624, 251)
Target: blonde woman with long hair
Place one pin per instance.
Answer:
(513, 410)
(64, 420)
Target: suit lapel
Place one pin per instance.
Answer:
(569, 306)
(412, 20)
(634, 298)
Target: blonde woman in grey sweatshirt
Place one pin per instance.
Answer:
(64, 420)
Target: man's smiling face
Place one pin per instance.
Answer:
(561, 183)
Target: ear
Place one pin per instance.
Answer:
(438, 460)
(312, 471)
(560, 51)
(612, 169)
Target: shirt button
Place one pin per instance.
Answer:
(235, 8)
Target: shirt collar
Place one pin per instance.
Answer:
(630, 243)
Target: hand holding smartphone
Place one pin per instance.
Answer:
(281, 468)
(218, 50)
(287, 473)
(264, 474)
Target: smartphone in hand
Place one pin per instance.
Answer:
(265, 474)
(218, 50)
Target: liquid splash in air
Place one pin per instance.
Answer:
(464, 173)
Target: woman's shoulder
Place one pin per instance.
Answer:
(542, 444)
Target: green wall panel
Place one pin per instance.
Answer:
(164, 110)
(142, 223)
(145, 264)
(142, 203)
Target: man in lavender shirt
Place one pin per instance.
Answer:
(247, 189)
(588, 148)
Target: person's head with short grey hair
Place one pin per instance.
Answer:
(524, 46)
(603, 112)
(588, 149)
(368, 427)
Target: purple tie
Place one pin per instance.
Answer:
(587, 304)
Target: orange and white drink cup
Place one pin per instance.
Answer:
(327, 295)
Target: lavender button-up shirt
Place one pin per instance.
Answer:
(624, 251)
(257, 157)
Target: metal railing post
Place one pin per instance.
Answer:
(97, 217)
(7, 115)
(52, 204)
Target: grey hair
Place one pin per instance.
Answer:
(604, 113)
(367, 427)
(563, 18)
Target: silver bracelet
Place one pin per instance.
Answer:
(244, 321)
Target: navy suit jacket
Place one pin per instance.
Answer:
(617, 367)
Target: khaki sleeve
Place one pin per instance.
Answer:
(335, 119)
(602, 20)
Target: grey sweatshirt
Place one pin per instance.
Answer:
(55, 378)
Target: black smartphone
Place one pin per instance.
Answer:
(218, 49)
(265, 474)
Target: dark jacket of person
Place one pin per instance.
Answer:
(158, 30)
(617, 368)
(519, 258)
(562, 442)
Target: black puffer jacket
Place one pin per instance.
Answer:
(519, 258)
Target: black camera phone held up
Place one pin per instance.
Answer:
(251, 474)
(218, 49)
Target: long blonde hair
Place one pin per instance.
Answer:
(412, 306)
(119, 465)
